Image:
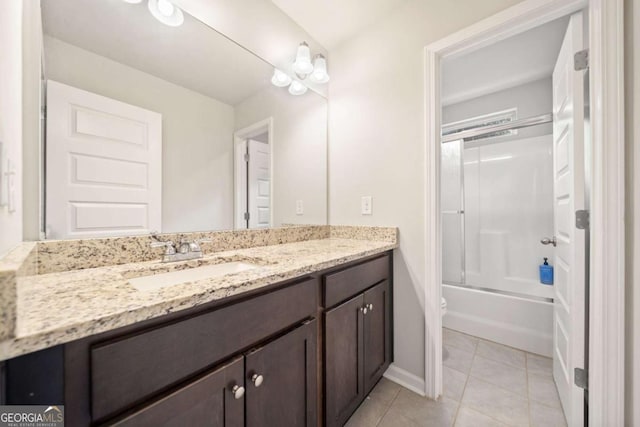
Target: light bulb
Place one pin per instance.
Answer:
(303, 65)
(319, 74)
(166, 12)
(297, 88)
(280, 79)
(165, 7)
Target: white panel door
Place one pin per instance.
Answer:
(259, 183)
(569, 283)
(104, 166)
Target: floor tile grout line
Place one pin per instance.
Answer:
(526, 372)
(388, 407)
(464, 388)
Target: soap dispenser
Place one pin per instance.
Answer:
(546, 273)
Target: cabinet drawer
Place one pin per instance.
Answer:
(127, 371)
(344, 284)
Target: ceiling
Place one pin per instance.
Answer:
(523, 58)
(192, 55)
(331, 22)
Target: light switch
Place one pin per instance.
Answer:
(299, 207)
(365, 206)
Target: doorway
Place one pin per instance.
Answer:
(253, 176)
(606, 331)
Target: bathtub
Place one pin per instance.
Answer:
(517, 321)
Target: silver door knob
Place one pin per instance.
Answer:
(549, 241)
(237, 391)
(364, 309)
(257, 380)
(370, 307)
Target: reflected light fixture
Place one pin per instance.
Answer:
(280, 78)
(297, 88)
(166, 12)
(302, 67)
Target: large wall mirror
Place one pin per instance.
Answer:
(170, 128)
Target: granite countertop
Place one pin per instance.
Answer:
(60, 307)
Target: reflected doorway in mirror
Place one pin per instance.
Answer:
(253, 181)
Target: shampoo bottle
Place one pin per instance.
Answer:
(546, 273)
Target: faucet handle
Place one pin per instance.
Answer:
(195, 245)
(170, 248)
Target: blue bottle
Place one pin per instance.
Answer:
(546, 273)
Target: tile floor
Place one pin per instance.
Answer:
(485, 384)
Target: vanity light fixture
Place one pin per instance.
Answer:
(302, 65)
(316, 71)
(319, 73)
(297, 88)
(165, 12)
(280, 78)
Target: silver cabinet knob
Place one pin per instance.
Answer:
(364, 309)
(237, 391)
(257, 380)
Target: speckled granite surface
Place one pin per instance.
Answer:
(14, 267)
(64, 255)
(64, 306)
(358, 232)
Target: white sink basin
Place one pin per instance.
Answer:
(158, 281)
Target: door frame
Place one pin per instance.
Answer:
(239, 138)
(606, 311)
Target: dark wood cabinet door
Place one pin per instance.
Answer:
(281, 379)
(343, 339)
(206, 402)
(377, 325)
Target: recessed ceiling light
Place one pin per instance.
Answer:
(166, 12)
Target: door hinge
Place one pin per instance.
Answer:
(246, 216)
(581, 60)
(581, 378)
(246, 157)
(582, 219)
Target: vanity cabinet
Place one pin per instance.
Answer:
(357, 337)
(304, 352)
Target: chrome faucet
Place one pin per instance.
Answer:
(184, 251)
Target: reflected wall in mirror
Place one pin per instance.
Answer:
(152, 127)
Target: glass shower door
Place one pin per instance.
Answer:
(452, 205)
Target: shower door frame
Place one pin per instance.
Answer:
(607, 242)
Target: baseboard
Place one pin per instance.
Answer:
(405, 379)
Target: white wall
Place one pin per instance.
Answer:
(11, 115)
(376, 147)
(632, 74)
(299, 151)
(197, 147)
(531, 99)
